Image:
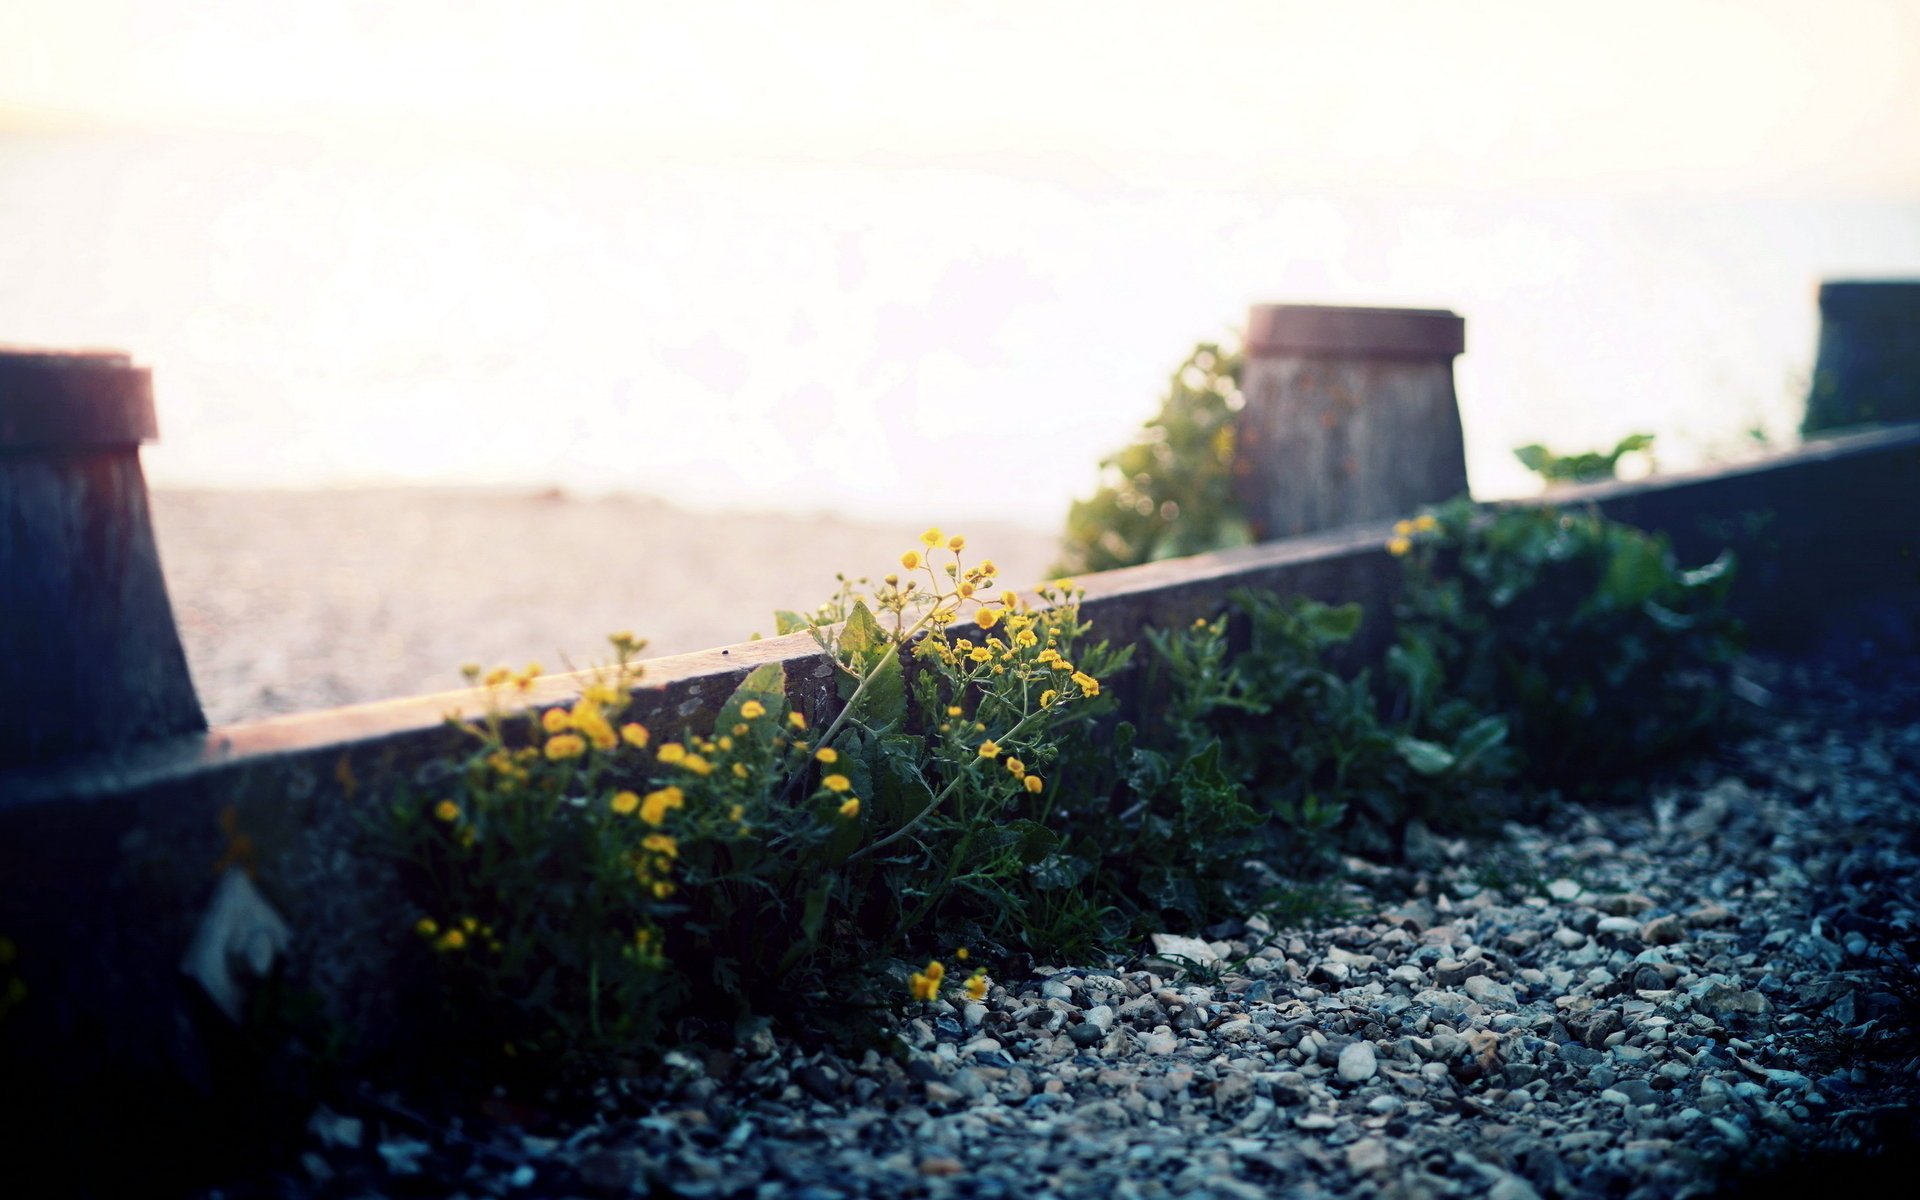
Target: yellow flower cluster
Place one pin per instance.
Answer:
(925, 985)
(1403, 533)
(458, 935)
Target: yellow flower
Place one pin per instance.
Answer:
(1026, 639)
(827, 754)
(850, 807)
(736, 813)
(980, 654)
(977, 988)
(987, 568)
(624, 803)
(753, 710)
(1088, 683)
(452, 939)
(447, 811)
(1425, 523)
(635, 735)
(661, 843)
(555, 720)
(426, 927)
(1047, 697)
(1016, 768)
(956, 542)
(936, 971)
(989, 749)
(910, 559)
(725, 743)
(497, 676)
(671, 752)
(987, 618)
(739, 770)
(963, 954)
(662, 890)
(836, 783)
(922, 988)
(565, 745)
(1063, 585)
(930, 538)
(1398, 546)
(696, 764)
(1402, 528)
(796, 720)
(1033, 784)
(954, 710)
(654, 809)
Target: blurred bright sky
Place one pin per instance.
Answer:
(920, 258)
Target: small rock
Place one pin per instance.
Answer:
(1171, 948)
(1493, 995)
(1710, 916)
(1367, 1156)
(1357, 1063)
(1624, 904)
(1663, 931)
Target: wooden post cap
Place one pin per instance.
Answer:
(66, 400)
(1867, 369)
(1333, 331)
(88, 643)
(1349, 417)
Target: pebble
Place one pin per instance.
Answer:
(1641, 1030)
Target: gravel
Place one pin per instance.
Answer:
(1641, 1000)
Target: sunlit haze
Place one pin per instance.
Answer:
(921, 260)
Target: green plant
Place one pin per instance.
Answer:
(1267, 756)
(767, 861)
(1168, 492)
(539, 899)
(1586, 467)
(1599, 647)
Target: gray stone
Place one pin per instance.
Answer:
(1357, 1063)
(1486, 991)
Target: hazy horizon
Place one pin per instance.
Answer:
(880, 260)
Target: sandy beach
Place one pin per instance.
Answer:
(295, 600)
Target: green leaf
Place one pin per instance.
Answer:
(1424, 757)
(787, 621)
(1330, 623)
(766, 683)
(1057, 871)
(863, 646)
(1479, 739)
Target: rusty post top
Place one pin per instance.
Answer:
(1330, 331)
(51, 399)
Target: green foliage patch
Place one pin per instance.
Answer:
(1602, 651)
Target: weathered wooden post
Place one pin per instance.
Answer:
(1350, 416)
(1868, 368)
(90, 659)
